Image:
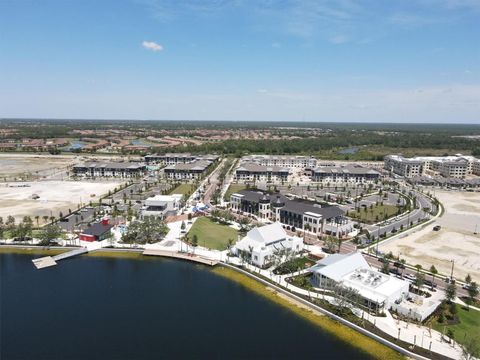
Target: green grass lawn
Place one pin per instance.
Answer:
(370, 216)
(469, 324)
(212, 235)
(183, 189)
(233, 188)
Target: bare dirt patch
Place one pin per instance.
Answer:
(455, 241)
(54, 196)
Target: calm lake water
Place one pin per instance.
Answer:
(104, 308)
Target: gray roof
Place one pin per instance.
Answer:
(111, 165)
(297, 206)
(347, 169)
(253, 167)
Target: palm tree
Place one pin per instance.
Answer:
(45, 218)
(434, 272)
(36, 219)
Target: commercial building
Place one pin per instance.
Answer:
(112, 169)
(345, 174)
(377, 290)
(187, 171)
(161, 206)
(97, 232)
(177, 158)
(292, 213)
(457, 166)
(261, 243)
(283, 161)
(256, 172)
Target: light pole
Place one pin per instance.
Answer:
(451, 274)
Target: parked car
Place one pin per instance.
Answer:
(429, 283)
(410, 276)
(437, 228)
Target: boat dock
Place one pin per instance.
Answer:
(181, 255)
(48, 261)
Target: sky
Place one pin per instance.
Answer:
(268, 60)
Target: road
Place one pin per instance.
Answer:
(412, 217)
(210, 188)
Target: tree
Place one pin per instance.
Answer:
(194, 241)
(468, 279)
(450, 292)
(385, 266)
(45, 218)
(434, 272)
(150, 230)
(49, 233)
(183, 226)
(419, 280)
(10, 223)
(36, 219)
(330, 243)
(472, 292)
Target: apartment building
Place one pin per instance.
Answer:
(177, 158)
(187, 171)
(456, 166)
(283, 161)
(110, 169)
(294, 213)
(256, 172)
(344, 174)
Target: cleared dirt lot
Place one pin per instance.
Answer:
(54, 196)
(21, 165)
(455, 241)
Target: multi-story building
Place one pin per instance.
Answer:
(476, 167)
(344, 174)
(112, 169)
(256, 172)
(294, 213)
(193, 170)
(404, 167)
(283, 161)
(457, 166)
(180, 158)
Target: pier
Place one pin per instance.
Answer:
(48, 261)
(181, 255)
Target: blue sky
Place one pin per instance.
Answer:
(312, 60)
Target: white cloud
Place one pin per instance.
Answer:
(151, 45)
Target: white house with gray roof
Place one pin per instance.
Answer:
(261, 243)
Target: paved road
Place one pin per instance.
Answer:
(414, 216)
(210, 188)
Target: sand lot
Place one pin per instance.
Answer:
(55, 196)
(18, 165)
(455, 241)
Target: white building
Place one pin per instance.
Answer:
(378, 290)
(284, 161)
(456, 166)
(354, 174)
(256, 172)
(161, 206)
(261, 243)
(110, 169)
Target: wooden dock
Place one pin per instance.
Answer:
(48, 261)
(181, 255)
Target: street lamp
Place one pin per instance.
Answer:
(451, 274)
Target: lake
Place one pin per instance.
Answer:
(114, 308)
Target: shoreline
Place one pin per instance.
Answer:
(332, 327)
